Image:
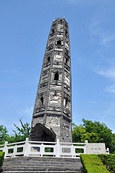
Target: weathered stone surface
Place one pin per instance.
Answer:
(41, 164)
(53, 101)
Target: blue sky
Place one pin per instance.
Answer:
(24, 29)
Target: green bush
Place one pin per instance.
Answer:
(93, 164)
(1, 158)
(109, 161)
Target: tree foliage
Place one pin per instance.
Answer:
(94, 132)
(3, 134)
(20, 133)
(23, 132)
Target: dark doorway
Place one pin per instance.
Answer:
(56, 76)
(41, 133)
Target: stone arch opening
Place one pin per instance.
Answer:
(56, 76)
(66, 60)
(48, 59)
(41, 133)
(66, 102)
(42, 100)
(53, 31)
(59, 42)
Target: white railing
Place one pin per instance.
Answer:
(54, 149)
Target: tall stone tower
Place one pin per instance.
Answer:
(52, 114)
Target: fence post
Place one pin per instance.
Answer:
(15, 150)
(26, 147)
(5, 149)
(85, 147)
(57, 148)
(42, 149)
(72, 150)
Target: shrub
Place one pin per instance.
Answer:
(109, 161)
(93, 164)
(1, 158)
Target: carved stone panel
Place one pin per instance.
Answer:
(58, 58)
(57, 87)
(60, 28)
(55, 98)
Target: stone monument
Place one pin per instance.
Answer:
(52, 115)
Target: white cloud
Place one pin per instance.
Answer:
(110, 75)
(12, 71)
(107, 39)
(109, 113)
(110, 89)
(100, 33)
(27, 112)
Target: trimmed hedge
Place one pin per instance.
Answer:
(109, 161)
(93, 164)
(1, 158)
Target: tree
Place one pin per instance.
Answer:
(113, 143)
(77, 133)
(21, 133)
(3, 134)
(93, 132)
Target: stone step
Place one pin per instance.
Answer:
(42, 172)
(41, 164)
(35, 159)
(40, 169)
(57, 170)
